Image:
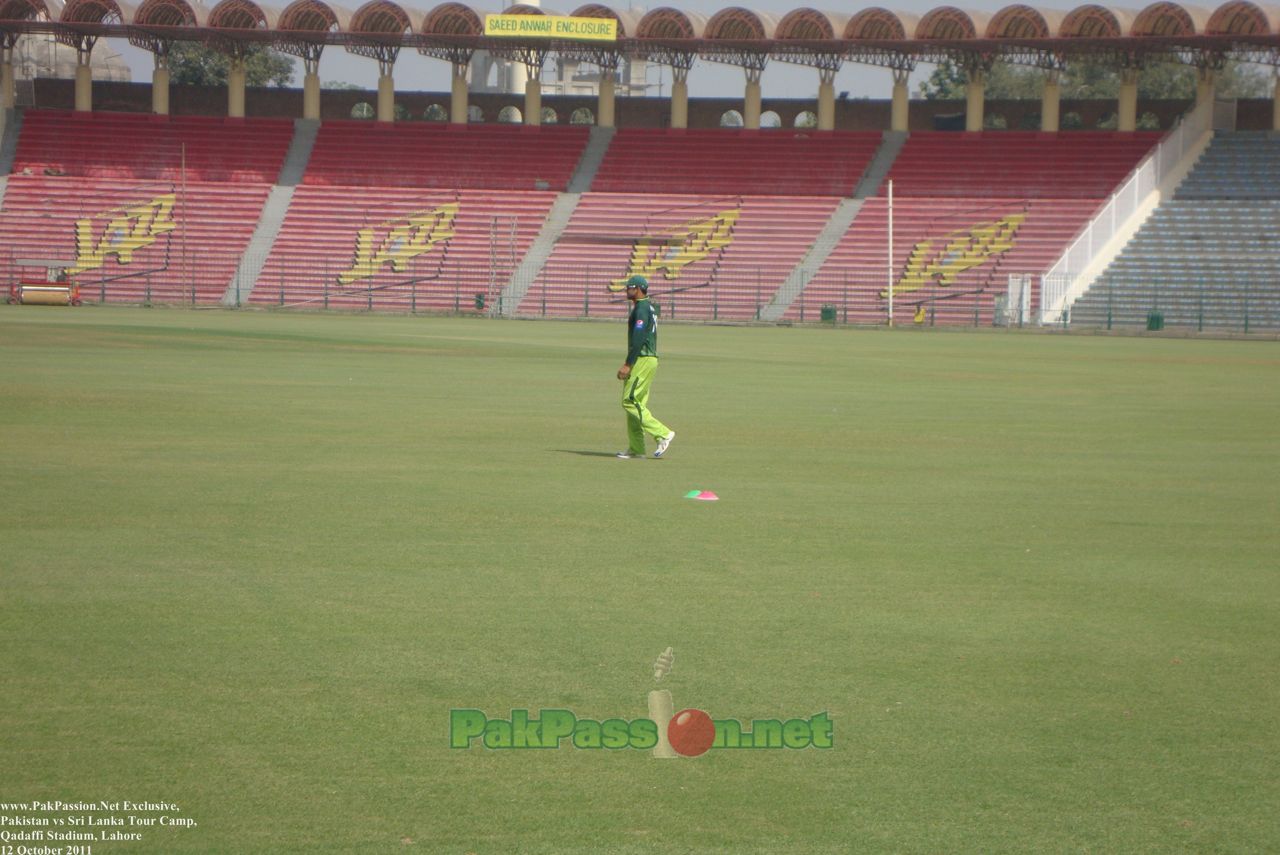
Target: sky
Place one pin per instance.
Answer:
(414, 72)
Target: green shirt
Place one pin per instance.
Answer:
(642, 331)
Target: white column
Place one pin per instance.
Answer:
(160, 85)
(84, 81)
(1206, 80)
(235, 88)
(533, 100)
(517, 77)
(1050, 102)
(751, 100)
(1275, 104)
(826, 99)
(386, 96)
(975, 94)
(1127, 107)
(900, 115)
(605, 109)
(458, 94)
(8, 92)
(679, 97)
(311, 88)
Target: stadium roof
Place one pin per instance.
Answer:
(740, 35)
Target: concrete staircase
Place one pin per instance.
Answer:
(1207, 259)
(10, 125)
(592, 157)
(841, 219)
(878, 169)
(273, 213)
(527, 272)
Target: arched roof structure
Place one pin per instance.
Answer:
(946, 22)
(667, 23)
(165, 13)
(668, 33)
(810, 25)
(449, 32)
(453, 19)
(1094, 22)
(1021, 22)
(1243, 18)
(24, 10)
(382, 18)
(1166, 19)
(627, 20)
(881, 25)
(240, 15)
(740, 25)
(92, 12)
(313, 16)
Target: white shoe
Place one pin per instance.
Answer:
(664, 444)
(627, 455)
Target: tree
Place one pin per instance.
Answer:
(1240, 80)
(194, 64)
(1086, 78)
(946, 83)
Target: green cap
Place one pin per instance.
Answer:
(638, 282)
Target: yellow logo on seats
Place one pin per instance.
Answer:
(673, 249)
(405, 240)
(943, 259)
(127, 229)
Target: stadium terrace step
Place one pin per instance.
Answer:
(1210, 256)
(841, 218)
(706, 257)
(445, 156)
(964, 249)
(130, 146)
(150, 208)
(711, 161)
(1067, 165)
(135, 241)
(399, 249)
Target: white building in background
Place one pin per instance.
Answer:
(40, 55)
(491, 75)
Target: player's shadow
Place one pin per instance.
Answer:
(587, 453)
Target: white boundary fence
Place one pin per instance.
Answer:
(1064, 281)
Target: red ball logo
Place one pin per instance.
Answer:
(691, 732)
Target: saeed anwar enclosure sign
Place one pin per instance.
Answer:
(551, 27)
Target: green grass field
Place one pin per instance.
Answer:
(250, 561)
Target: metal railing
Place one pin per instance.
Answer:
(1060, 283)
(837, 297)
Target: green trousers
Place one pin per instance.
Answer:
(635, 400)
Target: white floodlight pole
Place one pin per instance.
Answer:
(890, 252)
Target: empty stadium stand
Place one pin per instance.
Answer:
(1207, 259)
(758, 163)
(1018, 164)
(416, 216)
(134, 147)
(147, 208)
(446, 156)
(397, 248)
(706, 256)
(969, 210)
(436, 217)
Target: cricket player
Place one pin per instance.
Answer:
(637, 373)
